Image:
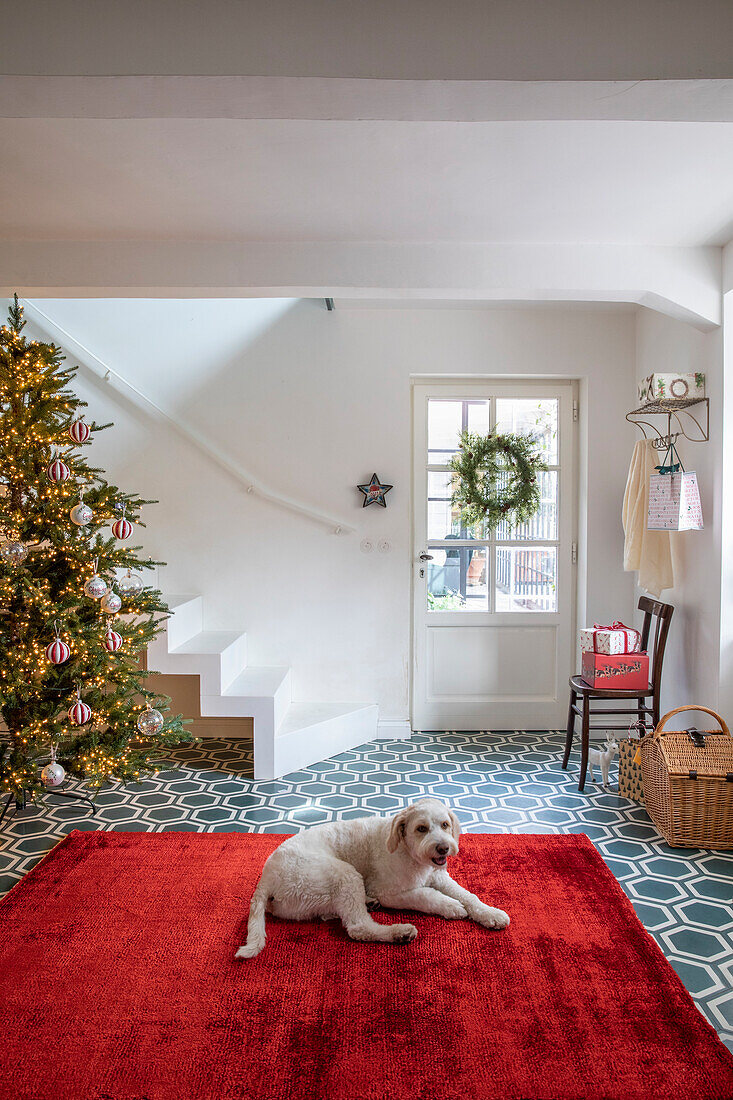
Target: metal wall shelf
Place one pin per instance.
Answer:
(673, 407)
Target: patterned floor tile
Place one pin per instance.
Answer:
(496, 781)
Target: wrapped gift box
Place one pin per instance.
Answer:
(618, 671)
(671, 387)
(616, 638)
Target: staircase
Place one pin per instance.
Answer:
(287, 735)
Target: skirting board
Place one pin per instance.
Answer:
(394, 729)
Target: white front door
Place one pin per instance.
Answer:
(492, 610)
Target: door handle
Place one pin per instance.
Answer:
(426, 557)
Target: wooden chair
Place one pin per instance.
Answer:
(658, 614)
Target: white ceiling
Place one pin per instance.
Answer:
(407, 39)
(664, 183)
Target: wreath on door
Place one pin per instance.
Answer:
(495, 478)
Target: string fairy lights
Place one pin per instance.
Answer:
(43, 607)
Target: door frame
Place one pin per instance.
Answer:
(461, 386)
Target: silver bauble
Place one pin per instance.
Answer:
(81, 514)
(14, 553)
(150, 722)
(52, 775)
(111, 603)
(96, 587)
(129, 584)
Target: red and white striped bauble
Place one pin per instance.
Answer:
(79, 712)
(79, 431)
(112, 641)
(122, 528)
(58, 651)
(58, 471)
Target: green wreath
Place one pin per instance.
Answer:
(496, 479)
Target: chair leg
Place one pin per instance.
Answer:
(570, 730)
(585, 743)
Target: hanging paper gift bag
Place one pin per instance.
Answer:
(674, 502)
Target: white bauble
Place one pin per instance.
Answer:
(96, 587)
(81, 514)
(111, 603)
(52, 775)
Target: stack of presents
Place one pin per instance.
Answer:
(612, 658)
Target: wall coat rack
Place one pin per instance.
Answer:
(677, 410)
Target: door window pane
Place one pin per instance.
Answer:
(446, 421)
(444, 427)
(530, 416)
(444, 520)
(543, 525)
(526, 579)
(477, 416)
(458, 579)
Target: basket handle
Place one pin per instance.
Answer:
(678, 710)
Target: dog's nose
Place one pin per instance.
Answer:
(441, 849)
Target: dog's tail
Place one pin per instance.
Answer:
(255, 926)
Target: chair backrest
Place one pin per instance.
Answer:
(657, 617)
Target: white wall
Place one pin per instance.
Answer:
(312, 403)
(692, 661)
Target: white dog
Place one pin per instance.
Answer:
(338, 869)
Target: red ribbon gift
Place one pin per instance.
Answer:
(631, 635)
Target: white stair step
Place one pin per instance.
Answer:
(265, 680)
(218, 656)
(208, 641)
(302, 715)
(187, 619)
(315, 731)
(258, 692)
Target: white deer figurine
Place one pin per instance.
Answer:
(603, 757)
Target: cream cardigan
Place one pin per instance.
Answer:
(649, 552)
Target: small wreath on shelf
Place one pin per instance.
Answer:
(496, 478)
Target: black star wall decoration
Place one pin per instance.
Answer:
(374, 492)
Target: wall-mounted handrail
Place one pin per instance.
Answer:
(95, 366)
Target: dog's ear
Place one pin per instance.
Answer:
(397, 829)
(455, 825)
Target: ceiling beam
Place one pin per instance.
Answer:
(682, 282)
(325, 98)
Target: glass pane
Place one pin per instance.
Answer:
(477, 416)
(543, 524)
(526, 580)
(458, 580)
(444, 426)
(530, 416)
(444, 521)
(447, 419)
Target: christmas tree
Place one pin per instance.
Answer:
(75, 616)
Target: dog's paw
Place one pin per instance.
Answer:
(372, 904)
(492, 918)
(248, 951)
(403, 933)
(452, 910)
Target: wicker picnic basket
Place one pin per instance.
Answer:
(688, 783)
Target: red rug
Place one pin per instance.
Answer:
(118, 982)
